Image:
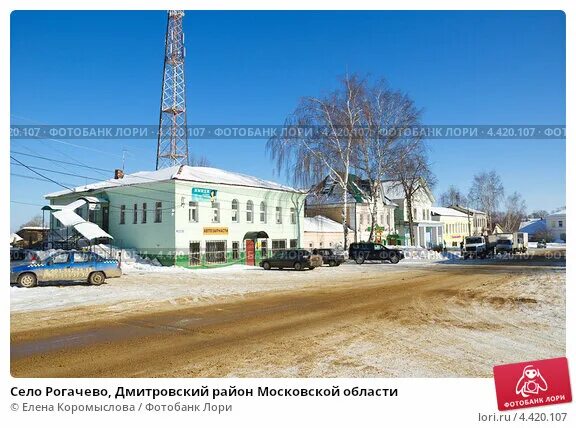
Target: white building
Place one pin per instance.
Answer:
(427, 231)
(556, 224)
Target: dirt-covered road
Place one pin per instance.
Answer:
(429, 320)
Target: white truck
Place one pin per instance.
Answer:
(479, 246)
(512, 243)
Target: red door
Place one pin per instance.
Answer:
(250, 252)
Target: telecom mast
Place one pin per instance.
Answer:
(172, 133)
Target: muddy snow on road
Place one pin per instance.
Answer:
(414, 319)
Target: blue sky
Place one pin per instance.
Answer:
(253, 67)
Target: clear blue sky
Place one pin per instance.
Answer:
(252, 68)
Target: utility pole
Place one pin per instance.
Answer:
(172, 131)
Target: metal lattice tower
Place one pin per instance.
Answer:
(173, 133)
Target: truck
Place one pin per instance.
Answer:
(512, 243)
(479, 246)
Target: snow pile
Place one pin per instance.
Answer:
(130, 259)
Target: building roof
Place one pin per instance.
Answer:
(447, 212)
(321, 224)
(198, 174)
(558, 213)
(467, 210)
(532, 226)
(393, 190)
(329, 192)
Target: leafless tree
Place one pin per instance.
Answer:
(486, 194)
(539, 214)
(308, 157)
(515, 211)
(453, 196)
(384, 115)
(413, 174)
(35, 221)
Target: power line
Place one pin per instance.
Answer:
(59, 161)
(56, 172)
(41, 175)
(111, 191)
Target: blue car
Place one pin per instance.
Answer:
(66, 266)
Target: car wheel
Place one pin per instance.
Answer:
(394, 259)
(298, 266)
(332, 263)
(266, 266)
(360, 260)
(96, 278)
(27, 280)
(311, 267)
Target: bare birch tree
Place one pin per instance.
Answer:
(515, 211)
(486, 194)
(385, 114)
(309, 157)
(452, 196)
(412, 173)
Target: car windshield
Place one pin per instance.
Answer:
(505, 241)
(473, 240)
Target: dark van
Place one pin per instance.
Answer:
(362, 251)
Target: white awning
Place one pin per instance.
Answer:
(14, 237)
(91, 231)
(69, 218)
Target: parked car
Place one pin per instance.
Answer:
(297, 259)
(362, 251)
(21, 255)
(66, 266)
(329, 256)
(541, 244)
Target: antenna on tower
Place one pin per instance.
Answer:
(173, 133)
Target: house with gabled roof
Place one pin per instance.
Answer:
(427, 231)
(327, 199)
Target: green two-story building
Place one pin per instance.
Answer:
(192, 216)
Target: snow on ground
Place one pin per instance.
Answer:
(147, 283)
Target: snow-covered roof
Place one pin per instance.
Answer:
(558, 213)
(328, 192)
(199, 174)
(447, 212)
(393, 190)
(14, 237)
(467, 209)
(532, 226)
(321, 224)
